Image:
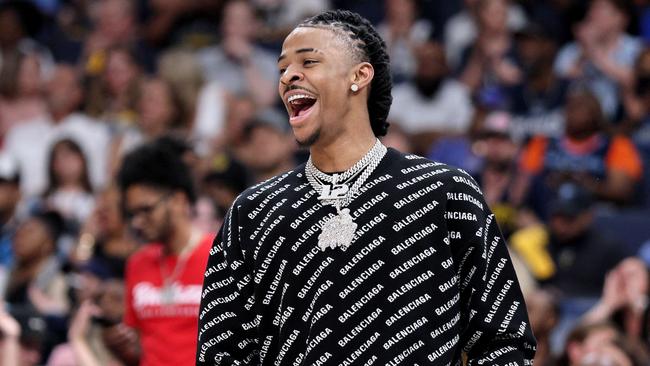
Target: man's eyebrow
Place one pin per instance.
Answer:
(301, 50)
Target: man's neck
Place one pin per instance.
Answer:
(179, 239)
(342, 153)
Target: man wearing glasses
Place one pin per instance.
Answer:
(164, 278)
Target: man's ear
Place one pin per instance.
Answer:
(363, 74)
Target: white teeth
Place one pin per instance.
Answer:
(299, 96)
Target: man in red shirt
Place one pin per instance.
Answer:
(164, 278)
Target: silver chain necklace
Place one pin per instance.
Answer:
(335, 191)
(350, 173)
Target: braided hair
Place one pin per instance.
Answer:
(367, 46)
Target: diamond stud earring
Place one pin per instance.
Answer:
(354, 87)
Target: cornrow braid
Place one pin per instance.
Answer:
(369, 47)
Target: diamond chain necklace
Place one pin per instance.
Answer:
(335, 190)
(356, 168)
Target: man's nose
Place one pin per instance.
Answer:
(290, 76)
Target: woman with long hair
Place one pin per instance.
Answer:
(69, 191)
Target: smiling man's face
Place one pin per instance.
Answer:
(316, 68)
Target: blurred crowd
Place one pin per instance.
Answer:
(545, 103)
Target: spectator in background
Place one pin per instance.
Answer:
(241, 109)
(636, 99)
(104, 236)
(160, 112)
(403, 32)
(538, 100)
(498, 172)
(225, 179)
(113, 92)
(206, 216)
(9, 198)
(21, 336)
(69, 191)
(543, 312)
(619, 353)
(21, 97)
(9, 335)
(36, 280)
(205, 104)
(180, 69)
(187, 24)
(115, 25)
(269, 147)
(585, 339)
(431, 104)
(600, 344)
(281, 16)
(461, 30)
(572, 254)
(489, 66)
(624, 300)
(237, 64)
(603, 55)
(19, 23)
(30, 142)
(164, 278)
(608, 167)
(100, 304)
(69, 27)
(557, 16)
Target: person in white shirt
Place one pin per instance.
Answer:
(432, 103)
(461, 29)
(31, 142)
(237, 64)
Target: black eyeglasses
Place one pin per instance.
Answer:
(145, 209)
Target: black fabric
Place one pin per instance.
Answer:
(427, 276)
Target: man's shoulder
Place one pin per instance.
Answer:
(413, 166)
(271, 187)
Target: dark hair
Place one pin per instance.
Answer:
(590, 101)
(54, 182)
(53, 222)
(372, 49)
(156, 165)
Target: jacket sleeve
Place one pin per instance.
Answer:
(495, 326)
(227, 324)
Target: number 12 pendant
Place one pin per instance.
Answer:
(334, 191)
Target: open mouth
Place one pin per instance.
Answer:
(300, 104)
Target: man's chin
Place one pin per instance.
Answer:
(309, 140)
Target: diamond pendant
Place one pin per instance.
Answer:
(338, 231)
